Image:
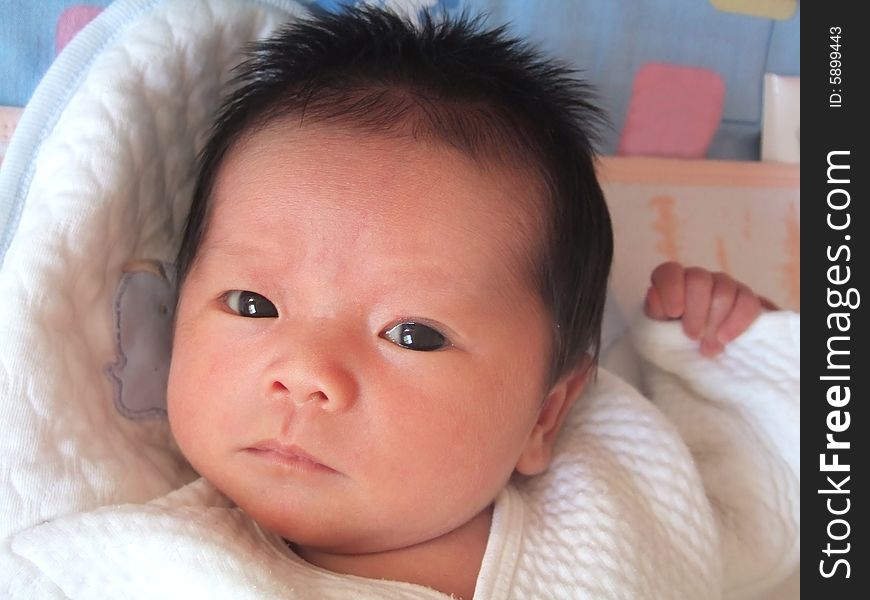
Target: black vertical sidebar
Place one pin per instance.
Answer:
(835, 367)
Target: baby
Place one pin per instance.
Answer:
(391, 290)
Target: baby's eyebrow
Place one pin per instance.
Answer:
(251, 254)
(227, 247)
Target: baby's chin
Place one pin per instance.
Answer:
(307, 527)
(340, 532)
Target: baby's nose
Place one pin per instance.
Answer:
(329, 387)
(316, 374)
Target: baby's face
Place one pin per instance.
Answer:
(389, 389)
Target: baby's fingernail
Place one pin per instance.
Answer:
(711, 348)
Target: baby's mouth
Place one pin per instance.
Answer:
(288, 455)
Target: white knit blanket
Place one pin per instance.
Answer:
(702, 504)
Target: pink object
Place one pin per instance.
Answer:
(71, 21)
(674, 111)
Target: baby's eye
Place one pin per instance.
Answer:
(250, 304)
(416, 336)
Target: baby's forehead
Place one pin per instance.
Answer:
(484, 143)
(389, 184)
(348, 155)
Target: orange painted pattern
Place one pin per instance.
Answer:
(666, 226)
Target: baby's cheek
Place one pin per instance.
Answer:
(184, 396)
(178, 410)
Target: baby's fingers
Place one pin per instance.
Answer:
(747, 307)
(699, 291)
(653, 306)
(667, 294)
(722, 302)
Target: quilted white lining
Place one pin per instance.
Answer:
(100, 172)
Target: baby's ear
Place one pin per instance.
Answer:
(538, 451)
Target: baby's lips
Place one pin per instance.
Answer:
(290, 452)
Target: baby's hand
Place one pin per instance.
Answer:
(714, 307)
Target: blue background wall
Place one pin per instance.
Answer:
(677, 77)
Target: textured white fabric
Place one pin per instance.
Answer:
(102, 168)
(740, 415)
(622, 513)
